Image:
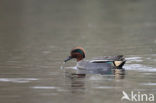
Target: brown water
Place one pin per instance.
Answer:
(37, 35)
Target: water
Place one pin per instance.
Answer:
(37, 35)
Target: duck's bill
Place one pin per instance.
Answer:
(69, 58)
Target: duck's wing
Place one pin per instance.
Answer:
(109, 58)
(118, 61)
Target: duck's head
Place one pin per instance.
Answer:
(78, 53)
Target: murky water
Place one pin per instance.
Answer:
(37, 35)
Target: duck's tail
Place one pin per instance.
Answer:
(120, 58)
(119, 64)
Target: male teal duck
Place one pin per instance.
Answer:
(100, 65)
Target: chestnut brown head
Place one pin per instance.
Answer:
(78, 53)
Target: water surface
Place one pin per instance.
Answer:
(37, 35)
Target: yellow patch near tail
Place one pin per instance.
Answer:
(117, 63)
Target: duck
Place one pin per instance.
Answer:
(98, 65)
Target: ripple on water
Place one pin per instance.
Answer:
(136, 63)
(134, 59)
(149, 84)
(59, 89)
(17, 80)
(139, 67)
(105, 87)
(44, 87)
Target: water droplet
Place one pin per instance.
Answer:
(61, 67)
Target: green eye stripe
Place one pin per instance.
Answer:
(79, 51)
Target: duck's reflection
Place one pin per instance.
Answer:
(116, 73)
(77, 80)
(119, 73)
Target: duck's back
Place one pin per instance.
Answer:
(109, 58)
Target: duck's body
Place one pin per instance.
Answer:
(102, 65)
(86, 66)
